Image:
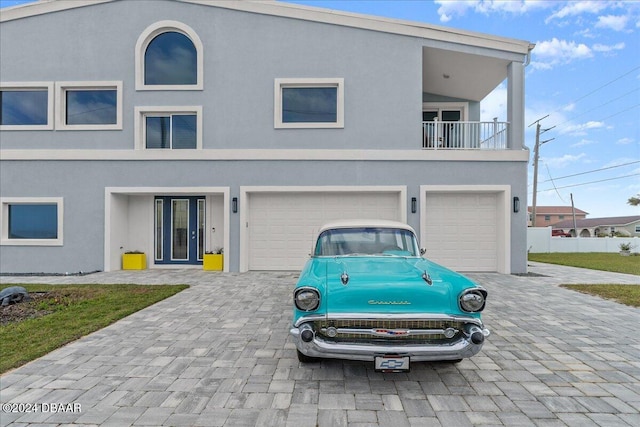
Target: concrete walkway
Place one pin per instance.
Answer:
(218, 354)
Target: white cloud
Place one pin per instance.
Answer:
(449, 9)
(564, 161)
(612, 22)
(624, 141)
(608, 48)
(575, 8)
(550, 53)
(583, 142)
(581, 129)
(494, 105)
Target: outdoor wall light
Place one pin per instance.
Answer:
(516, 204)
(234, 205)
(414, 205)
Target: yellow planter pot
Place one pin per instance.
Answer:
(134, 261)
(213, 262)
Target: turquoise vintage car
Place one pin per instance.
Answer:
(367, 294)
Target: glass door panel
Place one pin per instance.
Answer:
(179, 230)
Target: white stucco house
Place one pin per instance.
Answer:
(176, 127)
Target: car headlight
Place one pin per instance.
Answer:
(306, 299)
(473, 300)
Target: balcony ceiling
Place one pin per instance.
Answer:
(470, 76)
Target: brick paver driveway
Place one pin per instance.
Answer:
(219, 354)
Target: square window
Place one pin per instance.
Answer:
(26, 106)
(32, 221)
(168, 128)
(89, 105)
(309, 103)
(178, 131)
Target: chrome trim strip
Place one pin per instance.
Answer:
(460, 349)
(387, 316)
(374, 333)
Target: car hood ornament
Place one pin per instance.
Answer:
(344, 277)
(427, 278)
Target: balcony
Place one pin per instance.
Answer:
(443, 135)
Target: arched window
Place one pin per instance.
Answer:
(169, 57)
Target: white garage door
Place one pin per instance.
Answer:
(282, 226)
(461, 230)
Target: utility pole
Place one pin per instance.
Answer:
(536, 158)
(573, 211)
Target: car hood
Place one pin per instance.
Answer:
(374, 284)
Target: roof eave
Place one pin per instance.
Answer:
(374, 23)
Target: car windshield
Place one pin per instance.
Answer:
(367, 241)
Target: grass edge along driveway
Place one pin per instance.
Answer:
(68, 312)
(623, 294)
(612, 262)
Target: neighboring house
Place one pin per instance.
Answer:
(177, 127)
(550, 215)
(627, 226)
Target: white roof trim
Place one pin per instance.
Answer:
(366, 223)
(287, 10)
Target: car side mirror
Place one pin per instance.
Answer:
(423, 251)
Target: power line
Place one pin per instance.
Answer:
(599, 88)
(591, 171)
(554, 184)
(599, 106)
(592, 182)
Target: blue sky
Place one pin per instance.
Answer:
(584, 74)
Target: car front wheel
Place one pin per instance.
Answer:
(306, 359)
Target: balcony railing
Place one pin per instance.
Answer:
(440, 135)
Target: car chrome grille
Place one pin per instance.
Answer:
(397, 331)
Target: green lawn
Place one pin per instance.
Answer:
(595, 261)
(66, 313)
(624, 294)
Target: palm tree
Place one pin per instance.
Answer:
(634, 201)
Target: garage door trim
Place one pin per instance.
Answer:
(245, 207)
(503, 226)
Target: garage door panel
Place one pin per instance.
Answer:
(461, 230)
(282, 225)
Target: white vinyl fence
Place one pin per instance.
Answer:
(539, 240)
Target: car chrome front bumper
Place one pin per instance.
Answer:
(321, 348)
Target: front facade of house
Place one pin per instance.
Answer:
(550, 215)
(625, 226)
(181, 127)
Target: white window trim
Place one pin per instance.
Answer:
(439, 106)
(62, 87)
(308, 83)
(139, 128)
(148, 35)
(4, 220)
(48, 86)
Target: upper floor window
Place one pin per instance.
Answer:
(168, 128)
(31, 221)
(89, 105)
(309, 103)
(169, 57)
(26, 106)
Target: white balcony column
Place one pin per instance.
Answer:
(515, 106)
